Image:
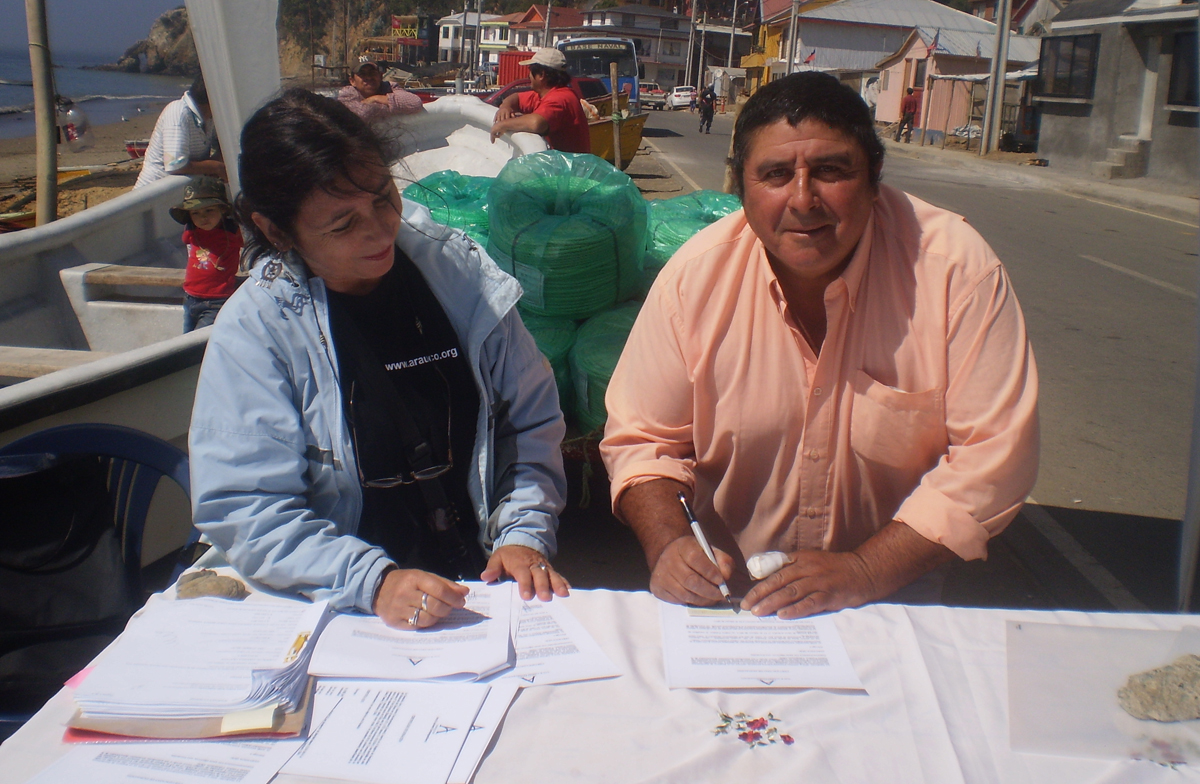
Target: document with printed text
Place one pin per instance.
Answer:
(469, 644)
(553, 647)
(387, 732)
(718, 649)
(194, 762)
(483, 729)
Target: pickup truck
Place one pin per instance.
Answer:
(652, 96)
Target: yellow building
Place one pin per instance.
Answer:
(771, 46)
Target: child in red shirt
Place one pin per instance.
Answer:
(214, 247)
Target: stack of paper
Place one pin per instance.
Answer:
(469, 644)
(206, 658)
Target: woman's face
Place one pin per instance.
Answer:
(348, 236)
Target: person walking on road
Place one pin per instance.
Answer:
(910, 104)
(708, 104)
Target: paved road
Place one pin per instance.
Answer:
(1110, 300)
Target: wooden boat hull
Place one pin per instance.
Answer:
(631, 138)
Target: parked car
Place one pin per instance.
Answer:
(681, 97)
(583, 86)
(652, 96)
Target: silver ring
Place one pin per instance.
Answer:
(424, 602)
(542, 566)
(416, 616)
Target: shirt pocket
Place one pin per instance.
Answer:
(898, 429)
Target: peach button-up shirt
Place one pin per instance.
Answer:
(921, 407)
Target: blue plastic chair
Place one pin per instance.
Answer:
(137, 461)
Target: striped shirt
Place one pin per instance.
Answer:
(179, 138)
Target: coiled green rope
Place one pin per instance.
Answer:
(455, 200)
(598, 346)
(673, 222)
(554, 338)
(571, 229)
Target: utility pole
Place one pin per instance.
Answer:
(462, 35)
(700, 67)
(732, 30)
(546, 33)
(691, 45)
(43, 111)
(792, 36)
(995, 98)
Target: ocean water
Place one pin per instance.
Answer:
(106, 96)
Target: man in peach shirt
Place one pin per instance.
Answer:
(839, 372)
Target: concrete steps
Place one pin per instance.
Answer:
(1124, 162)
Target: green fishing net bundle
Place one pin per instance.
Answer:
(597, 348)
(674, 222)
(455, 200)
(569, 227)
(554, 338)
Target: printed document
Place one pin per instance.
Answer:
(718, 649)
(205, 657)
(387, 732)
(553, 647)
(469, 644)
(483, 729)
(194, 762)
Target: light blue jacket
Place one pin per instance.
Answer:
(274, 479)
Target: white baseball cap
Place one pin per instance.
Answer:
(549, 57)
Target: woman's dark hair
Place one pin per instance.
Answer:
(810, 95)
(554, 77)
(296, 144)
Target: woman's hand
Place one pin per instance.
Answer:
(529, 568)
(412, 599)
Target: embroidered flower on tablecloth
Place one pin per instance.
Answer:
(754, 732)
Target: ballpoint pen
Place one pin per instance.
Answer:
(687, 510)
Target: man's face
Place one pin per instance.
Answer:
(808, 195)
(366, 81)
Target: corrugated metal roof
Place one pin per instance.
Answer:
(899, 13)
(962, 43)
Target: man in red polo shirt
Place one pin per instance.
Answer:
(550, 109)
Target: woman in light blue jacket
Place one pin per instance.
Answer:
(372, 421)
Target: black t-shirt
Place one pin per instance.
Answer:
(406, 332)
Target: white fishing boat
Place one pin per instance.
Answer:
(91, 315)
(91, 312)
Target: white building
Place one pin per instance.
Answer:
(450, 36)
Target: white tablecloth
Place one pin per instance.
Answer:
(936, 710)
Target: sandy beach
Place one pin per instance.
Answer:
(18, 166)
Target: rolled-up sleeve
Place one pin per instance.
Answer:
(979, 485)
(650, 401)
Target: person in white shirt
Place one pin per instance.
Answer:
(182, 142)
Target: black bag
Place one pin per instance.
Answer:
(65, 589)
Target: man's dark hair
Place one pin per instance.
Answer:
(554, 77)
(809, 95)
(910, 91)
(198, 91)
(294, 145)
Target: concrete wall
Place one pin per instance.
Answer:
(1075, 135)
(1173, 149)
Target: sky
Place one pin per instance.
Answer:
(101, 28)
